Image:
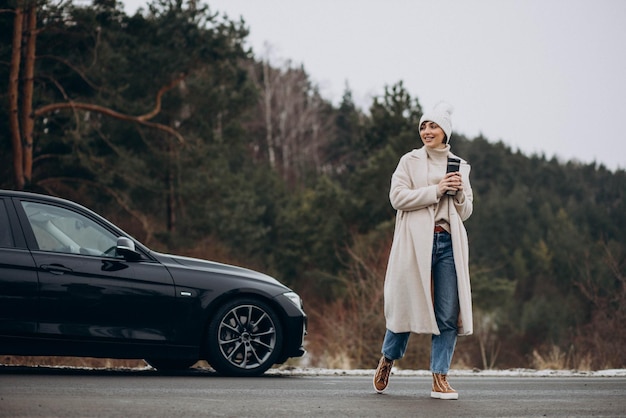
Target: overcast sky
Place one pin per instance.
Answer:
(543, 76)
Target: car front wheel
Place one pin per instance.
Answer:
(245, 338)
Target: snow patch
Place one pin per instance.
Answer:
(311, 371)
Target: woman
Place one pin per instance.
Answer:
(427, 284)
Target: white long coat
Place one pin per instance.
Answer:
(408, 300)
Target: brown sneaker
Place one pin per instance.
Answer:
(442, 389)
(381, 378)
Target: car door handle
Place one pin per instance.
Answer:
(55, 268)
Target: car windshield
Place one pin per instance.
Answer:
(62, 230)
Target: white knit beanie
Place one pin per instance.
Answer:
(441, 116)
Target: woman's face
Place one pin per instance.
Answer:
(432, 135)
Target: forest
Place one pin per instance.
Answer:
(168, 125)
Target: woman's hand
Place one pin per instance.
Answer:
(451, 181)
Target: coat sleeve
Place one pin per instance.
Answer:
(464, 202)
(404, 195)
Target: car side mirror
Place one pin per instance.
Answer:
(126, 248)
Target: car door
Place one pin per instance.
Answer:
(18, 277)
(86, 290)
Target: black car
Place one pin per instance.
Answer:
(74, 284)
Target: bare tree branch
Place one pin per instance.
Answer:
(109, 112)
(142, 119)
(161, 92)
(73, 68)
(614, 265)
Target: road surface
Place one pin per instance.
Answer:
(49, 392)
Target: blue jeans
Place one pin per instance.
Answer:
(446, 304)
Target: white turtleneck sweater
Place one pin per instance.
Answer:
(437, 164)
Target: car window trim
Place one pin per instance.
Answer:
(19, 238)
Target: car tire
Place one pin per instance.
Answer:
(245, 338)
(165, 365)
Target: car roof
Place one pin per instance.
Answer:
(23, 193)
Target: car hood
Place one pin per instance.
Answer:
(214, 267)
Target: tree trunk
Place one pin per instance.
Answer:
(267, 84)
(14, 79)
(28, 122)
(171, 189)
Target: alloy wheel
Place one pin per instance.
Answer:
(247, 336)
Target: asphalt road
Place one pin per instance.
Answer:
(45, 392)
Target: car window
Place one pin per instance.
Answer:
(62, 230)
(6, 236)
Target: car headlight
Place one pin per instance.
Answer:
(294, 298)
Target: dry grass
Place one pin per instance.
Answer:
(554, 358)
(78, 362)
